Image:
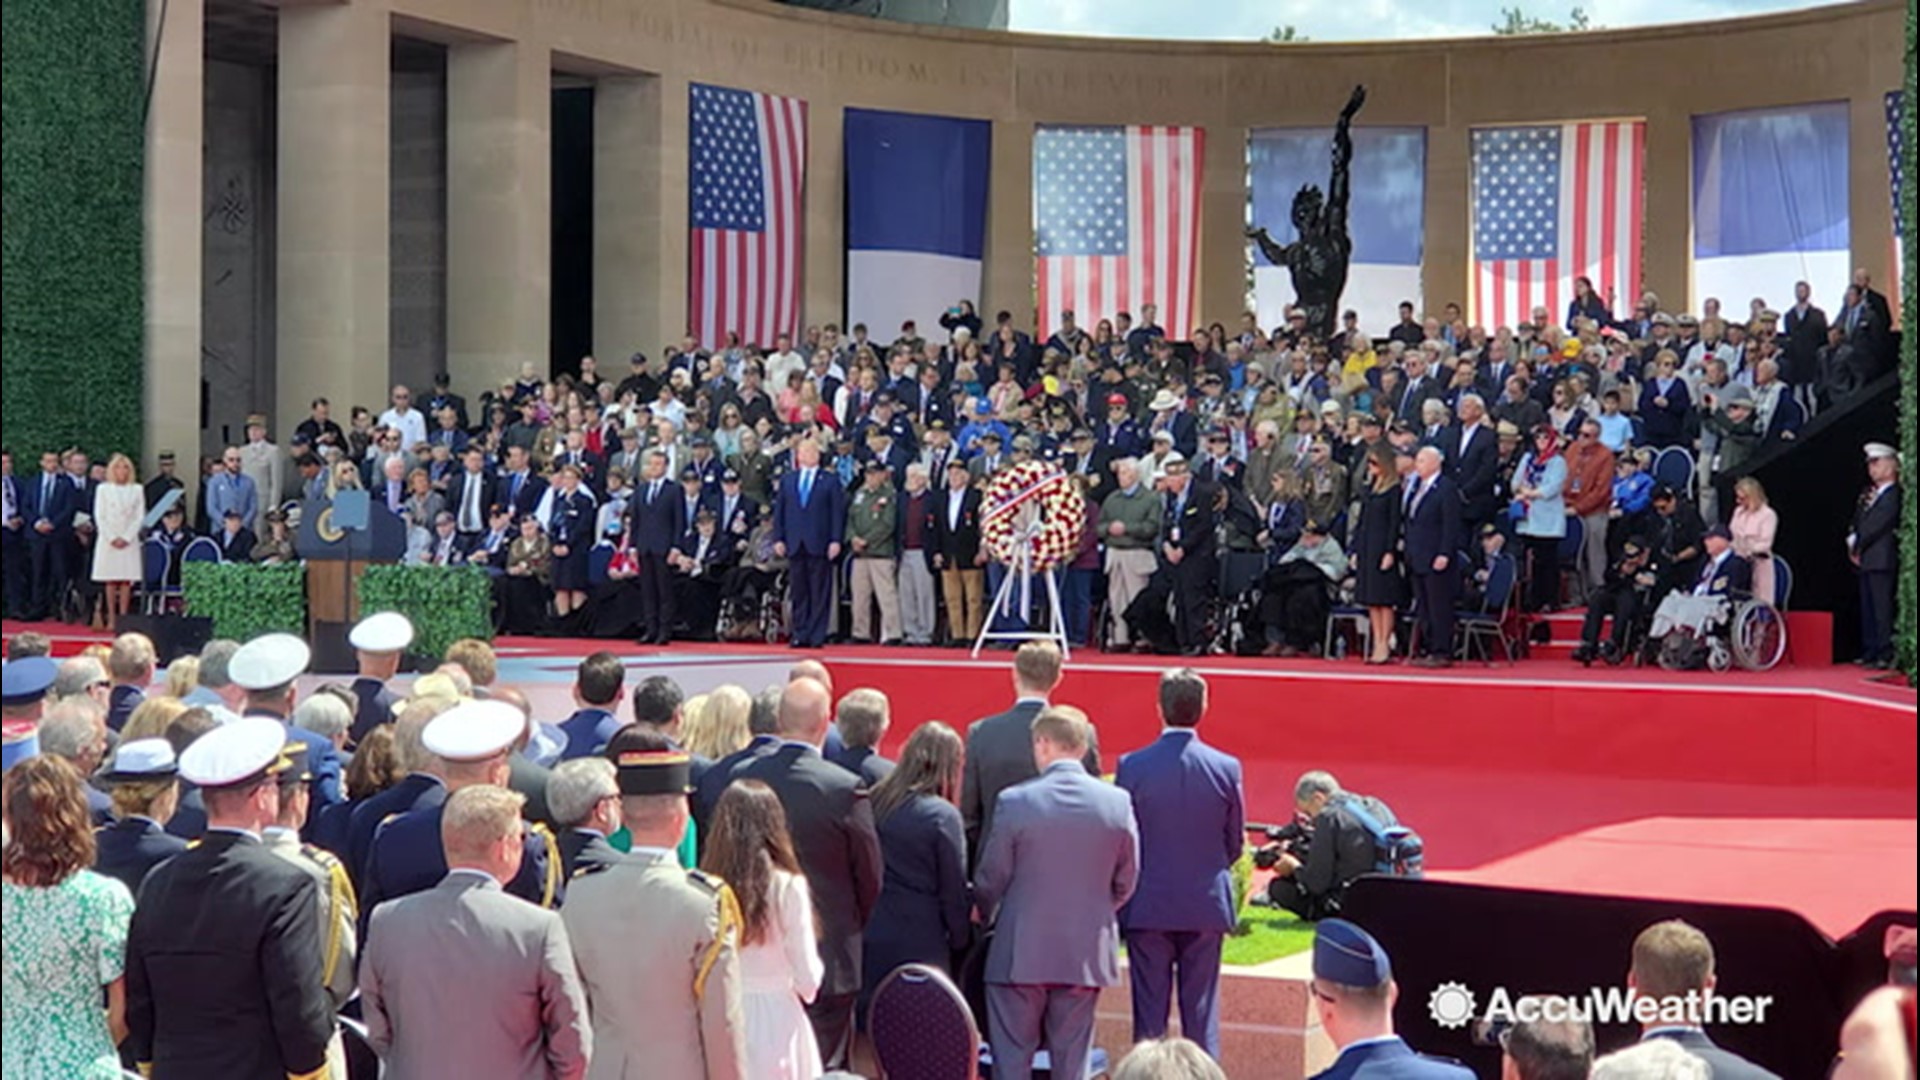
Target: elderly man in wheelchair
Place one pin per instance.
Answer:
(1695, 625)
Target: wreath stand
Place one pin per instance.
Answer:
(1020, 570)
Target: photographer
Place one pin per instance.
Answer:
(1313, 863)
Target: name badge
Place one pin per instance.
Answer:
(1176, 534)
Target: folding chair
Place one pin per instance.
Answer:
(1496, 604)
(1673, 467)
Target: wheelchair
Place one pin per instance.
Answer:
(761, 617)
(1741, 630)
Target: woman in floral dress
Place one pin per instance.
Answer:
(64, 932)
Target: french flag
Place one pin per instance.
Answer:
(916, 216)
(1387, 216)
(1770, 205)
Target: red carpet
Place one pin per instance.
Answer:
(1793, 788)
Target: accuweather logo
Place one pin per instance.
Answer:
(1454, 1005)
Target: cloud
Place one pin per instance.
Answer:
(1360, 20)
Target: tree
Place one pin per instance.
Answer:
(1515, 21)
(1286, 35)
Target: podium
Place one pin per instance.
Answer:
(339, 539)
(332, 595)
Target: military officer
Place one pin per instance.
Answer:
(267, 668)
(873, 516)
(337, 908)
(224, 949)
(1354, 992)
(473, 741)
(23, 692)
(378, 641)
(146, 790)
(666, 1002)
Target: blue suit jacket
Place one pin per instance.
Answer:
(1393, 1060)
(809, 529)
(323, 761)
(369, 813)
(583, 731)
(128, 848)
(1190, 810)
(1433, 527)
(657, 525)
(1061, 859)
(1726, 1064)
(60, 505)
(407, 857)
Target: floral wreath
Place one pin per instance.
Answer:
(1011, 499)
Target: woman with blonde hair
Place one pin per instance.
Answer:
(119, 508)
(1753, 526)
(150, 718)
(64, 940)
(183, 676)
(715, 723)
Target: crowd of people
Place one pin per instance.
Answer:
(215, 874)
(1382, 471)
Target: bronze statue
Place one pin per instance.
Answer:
(1319, 258)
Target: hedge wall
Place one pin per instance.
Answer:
(1908, 602)
(72, 83)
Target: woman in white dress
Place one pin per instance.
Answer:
(119, 508)
(780, 969)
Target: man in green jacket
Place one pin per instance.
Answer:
(1129, 523)
(872, 520)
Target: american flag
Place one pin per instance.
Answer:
(748, 156)
(1116, 218)
(1551, 204)
(1897, 178)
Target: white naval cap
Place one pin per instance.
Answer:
(234, 753)
(1880, 450)
(140, 760)
(385, 632)
(1174, 457)
(269, 661)
(473, 731)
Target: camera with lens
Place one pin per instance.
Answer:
(1292, 839)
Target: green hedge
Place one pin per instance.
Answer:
(1908, 601)
(72, 149)
(246, 600)
(444, 604)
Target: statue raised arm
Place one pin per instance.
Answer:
(1318, 259)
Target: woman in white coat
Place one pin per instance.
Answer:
(119, 509)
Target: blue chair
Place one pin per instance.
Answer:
(1570, 546)
(154, 589)
(1496, 603)
(1350, 615)
(1674, 468)
(1639, 425)
(202, 549)
(1782, 582)
(921, 1027)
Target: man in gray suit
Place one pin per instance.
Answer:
(1061, 859)
(464, 980)
(1000, 747)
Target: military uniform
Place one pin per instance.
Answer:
(407, 857)
(338, 914)
(224, 951)
(873, 518)
(666, 1002)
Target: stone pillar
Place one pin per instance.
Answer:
(1224, 284)
(1869, 202)
(332, 260)
(173, 222)
(1008, 256)
(1446, 250)
(639, 217)
(823, 296)
(1666, 245)
(499, 210)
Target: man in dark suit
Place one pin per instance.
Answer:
(1187, 552)
(838, 848)
(1000, 747)
(518, 489)
(1434, 539)
(862, 721)
(1877, 330)
(1874, 547)
(1191, 814)
(659, 517)
(47, 506)
(957, 555)
(1673, 963)
(443, 397)
(762, 723)
(1062, 858)
(1473, 462)
(1722, 573)
(1806, 327)
(597, 686)
(584, 797)
(809, 523)
(1354, 994)
(224, 950)
(1416, 390)
(470, 493)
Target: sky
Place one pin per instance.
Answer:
(1355, 20)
